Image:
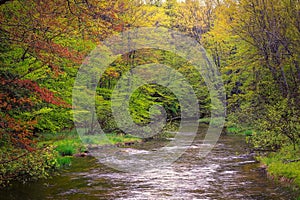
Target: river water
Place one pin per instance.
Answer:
(227, 172)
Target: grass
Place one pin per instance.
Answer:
(279, 167)
(66, 147)
(109, 139)
(234, 129)
(64, 160)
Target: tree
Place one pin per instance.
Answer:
(272, 28)
(42, 46)
(256, 46)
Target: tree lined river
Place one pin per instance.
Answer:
(228, 172)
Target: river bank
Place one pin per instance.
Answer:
(228, 172)
(231, 160)
(70, 144)
(281, 166)
(52, 153)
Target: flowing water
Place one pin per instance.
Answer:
(228, 172)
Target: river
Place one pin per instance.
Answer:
(227, 172)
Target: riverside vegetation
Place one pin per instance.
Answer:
(254, 43)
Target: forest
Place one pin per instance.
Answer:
(254, 44)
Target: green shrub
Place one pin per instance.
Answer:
(279, 126)
(28, 165)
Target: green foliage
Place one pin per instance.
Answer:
(255, 45)
(64, 161)
(66, 143)
(239, 130)
(148, 95)
(279, 126)
(112, 139)
(105, 116)
(50, 137)
(214, 122)
(284, 164)
(65, 147)
(24, 166)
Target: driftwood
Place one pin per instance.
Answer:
(291, 161)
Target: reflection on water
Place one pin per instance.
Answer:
(228, 172)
